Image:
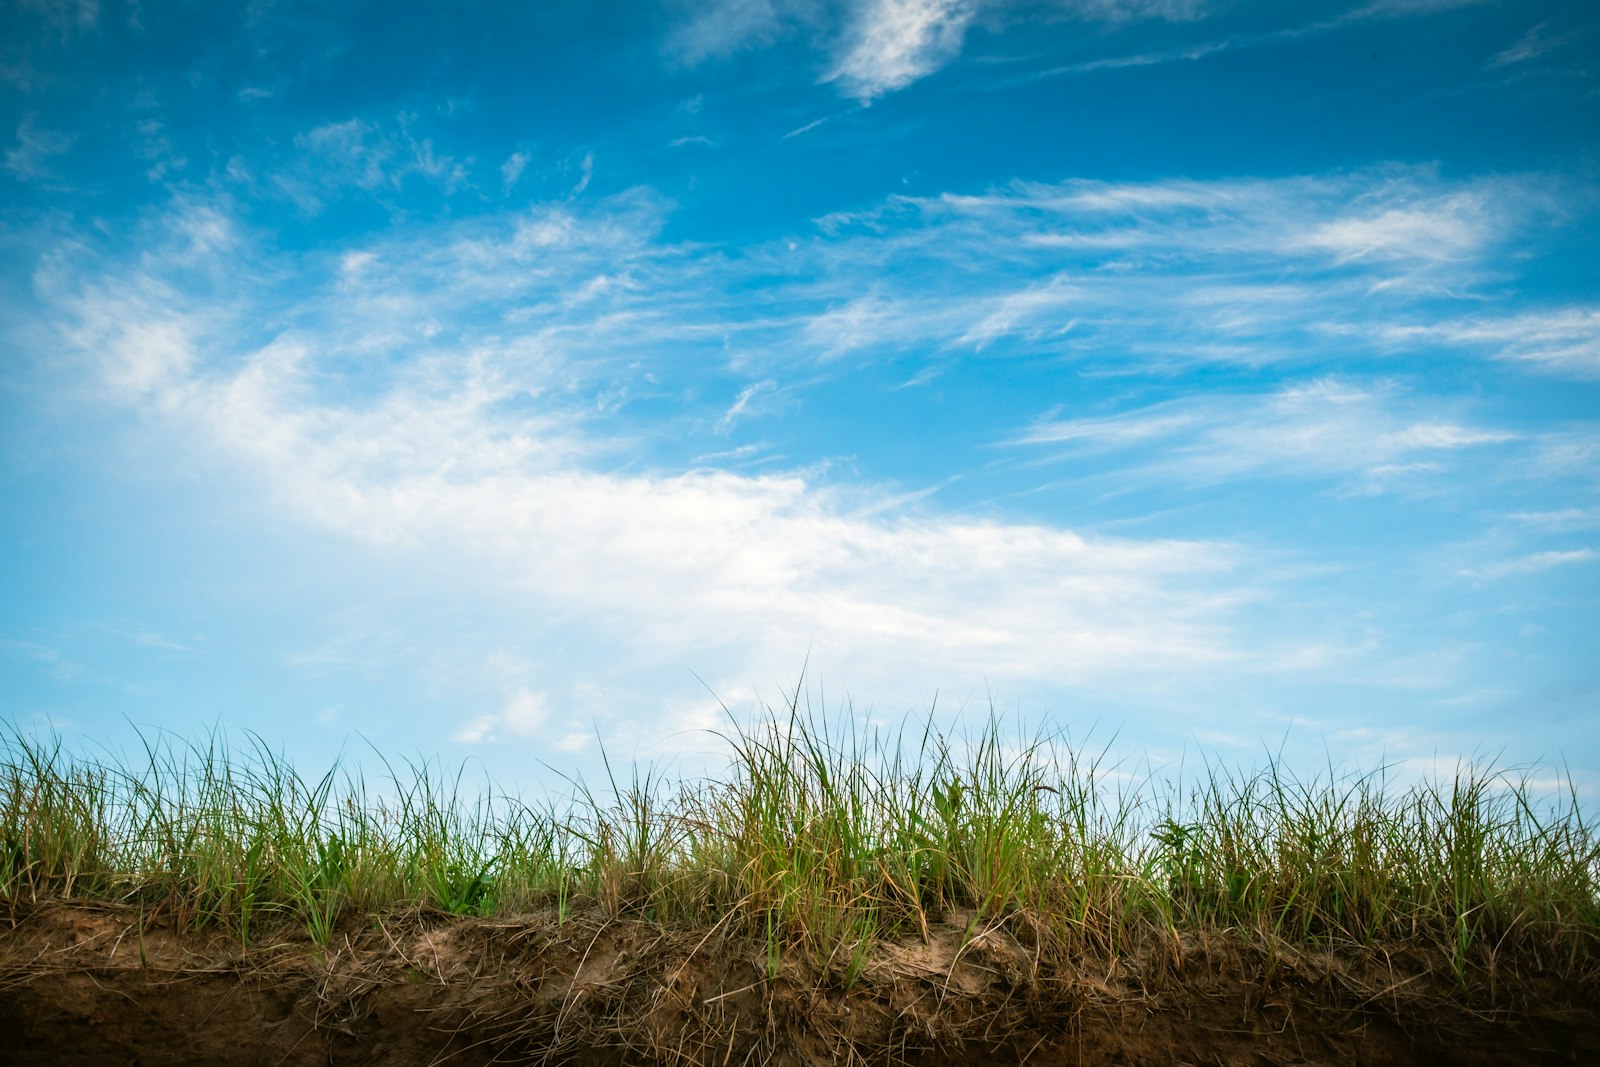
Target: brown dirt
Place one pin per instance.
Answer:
(97, 985)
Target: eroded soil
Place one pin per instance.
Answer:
(98, 985)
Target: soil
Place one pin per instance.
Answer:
(102, 985)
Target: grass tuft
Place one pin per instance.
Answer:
(823, 839)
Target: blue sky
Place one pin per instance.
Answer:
(491, 380)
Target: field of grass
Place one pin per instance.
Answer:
(820, 842)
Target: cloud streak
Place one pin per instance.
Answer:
(28, 159)
(880, 47)
(1562, 341)
(1360, 436)
(1235, 271)
(1534, 563)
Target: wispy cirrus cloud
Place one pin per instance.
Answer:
(1559, 520)
(1533, 563)
(752, 399)
(1537, 41)
(892, 43)
(882, 46)
(1191, 51)
(878, 47)
(46, 658)
(722, 27)
(1366, 438)
(1387, 9)
(1296, 271)
(434, 461)
(1563, 341)
(554, 407)
(65, 17)
(1244, 271)
(1450, 227)
(1404, 215)
(377, 158)
(481, 439)
(29, 158)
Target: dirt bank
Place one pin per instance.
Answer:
(99, 985)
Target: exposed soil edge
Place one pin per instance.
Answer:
(98, 985)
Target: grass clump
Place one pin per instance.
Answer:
(824, 839)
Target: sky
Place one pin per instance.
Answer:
(1203, 380)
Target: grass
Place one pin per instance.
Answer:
(822, 840)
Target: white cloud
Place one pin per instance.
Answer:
(481, 453)
(476, 729)
(722, 27)
(157, 147)
(873, 320)
(1185, 53)
(33, 149)
(1569, 451)
(1127, 10)
(807, 128)
(1406, 216)
(353, 264)
(1531, 45)
(1179, 11)
(377, 158)
(484, 397)
(1110, 274)
(512, 169)
(1240, 271)
(1533, 563)
(1046, 306)
(746, 404)
(1561, 341)
(47, 659)
(524, 713)
(1370, 438)
(352, 148)
(1559, 519)
(1452, 227)
(574, 741)
(880, 46)
(585, 174)
(66, 17)
(1389, 9)
(143, 356)
(892, 43)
